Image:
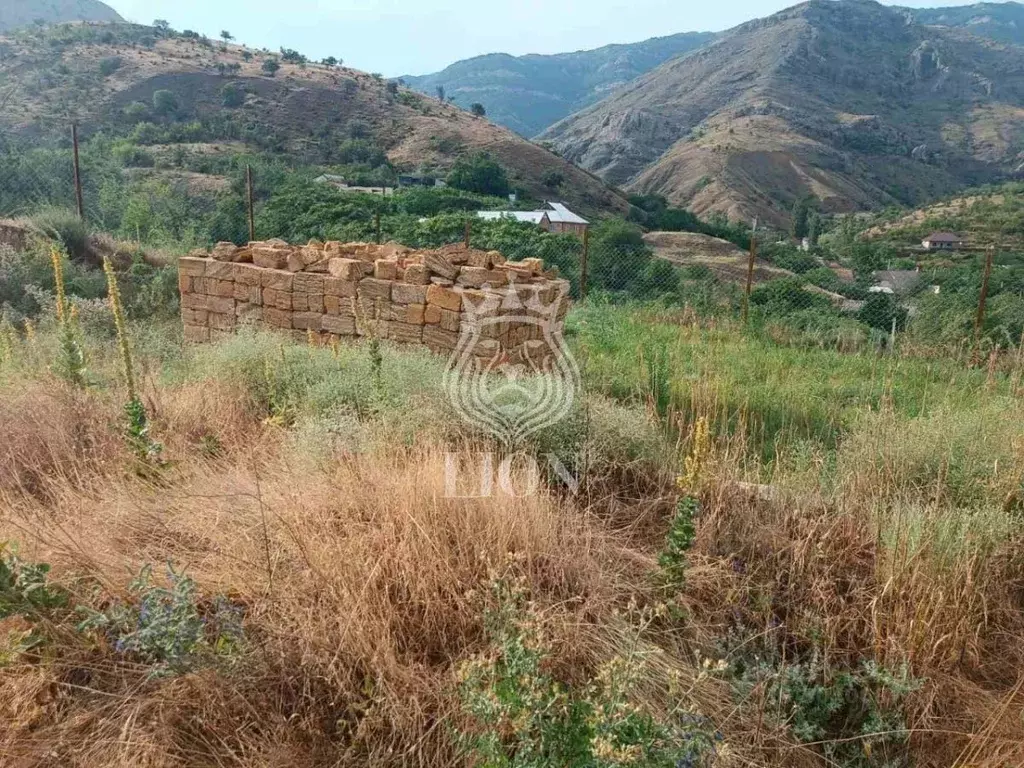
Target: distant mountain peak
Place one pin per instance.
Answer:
(531, 92)
(15, 14)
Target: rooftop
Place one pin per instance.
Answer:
(944, 237)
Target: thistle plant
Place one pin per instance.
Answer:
(137, 427)
(70, 364)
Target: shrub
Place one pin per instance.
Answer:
(553, 179)
(477, 109)
(232, 95)
(165, 626)
(64, 227)
(110, 65)
(271, 67)
(479, 173)
(165, 102)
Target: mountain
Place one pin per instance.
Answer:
(999, 21)
(848, 101)
(110, 77)
(530, 93)
(15, 14)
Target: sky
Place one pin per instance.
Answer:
(415, 37)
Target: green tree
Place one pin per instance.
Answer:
(330, 61)
(440, 92)
(477, 109)
(232, 95)
(271, 67)
(226, 36)
(814, 229)
(479, 173)
(165, 102)
(552, 179)
(800, 217)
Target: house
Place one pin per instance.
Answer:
(557, 218)
(540, 218)
(408, 180)
(896, 281)
(943, 241)
(564, 220)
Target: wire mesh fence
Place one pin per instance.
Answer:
(967, 304)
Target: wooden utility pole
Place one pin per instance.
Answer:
(377, 225)
(467, 234)
(583, 264)
(78, 173)
(750, 271)
(979, 321)
(248, 191)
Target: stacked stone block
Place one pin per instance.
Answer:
(329, 291)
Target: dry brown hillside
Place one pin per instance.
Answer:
(99, 73)
(850, 102)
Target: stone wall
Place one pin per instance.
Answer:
(329, 291)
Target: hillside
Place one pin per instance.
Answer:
(530, 93)
(106, 77)
(999, 21)
(845, 101)
(989, 216)
(15, 14)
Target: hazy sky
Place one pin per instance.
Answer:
(420, 36)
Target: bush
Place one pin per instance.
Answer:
(110, 65)
(480, 173)
(64, 227)
(165, 102)
(232, 95)
(271, 67)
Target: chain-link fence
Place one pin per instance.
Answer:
(968, 303)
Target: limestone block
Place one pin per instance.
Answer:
(449, 320)
(224, 252)
(413, 314)
(222, 321)
(346, 269)
(221, 270)
(432, 314)
(479, 259)
(445, 298)
(277, 318)
(191, 266)
(270, 257)
(473, 277)
(247, 274)
(194, 316)
(343, 326)
(315, 302)
(224, 306)
(372, 288)
(441, 266)
(416, 274)
(335, 286)
(184, 283)
(306, 321)
(308, 283)
(300, 301)
(439, 339)
(277, 279)
(409, 294)
(384, 269)
(405, 333)
(195, 301)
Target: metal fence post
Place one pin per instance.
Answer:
(78, 173)
(583, 264)
(252, 215)
(750, 272)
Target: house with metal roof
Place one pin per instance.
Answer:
(943, 241)
(557, 218)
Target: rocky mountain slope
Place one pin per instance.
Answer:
(850, 102)
(1000, 21)
(530, 93)
(109, 77)
(15, 14)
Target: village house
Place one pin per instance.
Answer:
(899, 282)
(557, 218)
(943, 241)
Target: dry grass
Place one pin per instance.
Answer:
(363, 585)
